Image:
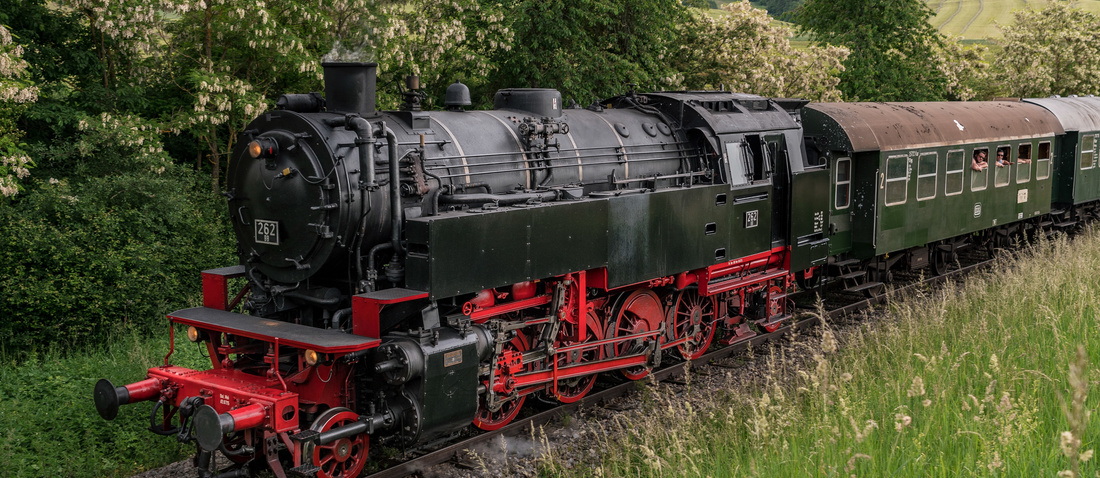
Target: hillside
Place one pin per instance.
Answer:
(978, 19)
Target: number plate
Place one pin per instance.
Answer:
(267, 232)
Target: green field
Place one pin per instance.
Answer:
(979, 19)
(989, 376)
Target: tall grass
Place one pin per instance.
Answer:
(48, 422)
(985, 377)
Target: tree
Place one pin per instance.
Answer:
(1053, 50)
(441, 41)
(745, 51)
(590, 49)
(893, 47)
(16, 92)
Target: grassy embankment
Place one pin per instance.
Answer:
(48, 422)
(979, 378)
(979, 19)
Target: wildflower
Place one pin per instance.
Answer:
(917, 388)
(901, 421)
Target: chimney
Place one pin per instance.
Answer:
(350, 87)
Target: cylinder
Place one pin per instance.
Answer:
(350, 87)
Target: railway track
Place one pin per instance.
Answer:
(425, 459)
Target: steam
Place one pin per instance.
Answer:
(358, 52)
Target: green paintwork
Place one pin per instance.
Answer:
(808, 218)
(461, 252)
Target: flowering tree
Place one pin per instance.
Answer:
(16, 93)
(225, 56)
(745, 51)
(1054, 50)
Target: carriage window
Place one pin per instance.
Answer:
(979, 179)
(739, 173)
(843, 187)
(1088, 146)
(926, 176)
(897, 179)
(1023, 163)
(953, 181)
(1000, 164)
(1042, 163)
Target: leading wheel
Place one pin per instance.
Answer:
(692, 317)
(343, 458)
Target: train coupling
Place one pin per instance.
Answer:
(108, 397)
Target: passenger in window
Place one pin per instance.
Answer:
(1002, 160)
(979, 163)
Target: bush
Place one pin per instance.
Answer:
(120, 246)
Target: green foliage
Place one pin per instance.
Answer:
(78, 255)
(16, 91)
(1053, 50)
(743, 51)
(893, 47)
(48, 422)
(590, 49)
(781, 9)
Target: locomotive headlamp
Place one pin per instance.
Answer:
(263, 148)
(312, 357)
(193, 334)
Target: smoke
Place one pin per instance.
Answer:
(358, 52)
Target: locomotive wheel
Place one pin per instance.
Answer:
(490, 420)
(634, 314)
(692, 317)
(343, 458)
(775, 307)
(573, 389)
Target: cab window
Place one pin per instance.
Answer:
(739, 171)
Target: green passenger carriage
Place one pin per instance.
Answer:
(905, 193)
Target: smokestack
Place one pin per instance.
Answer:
(350, 87)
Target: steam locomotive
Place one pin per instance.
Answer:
(408, 273)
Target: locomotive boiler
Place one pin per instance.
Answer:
(407, 273)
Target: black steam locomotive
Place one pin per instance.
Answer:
(410, 272)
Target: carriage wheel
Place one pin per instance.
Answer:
(692, 317)
(343, 458)
(488, 419)
(573, 389)
(633, 314)
(939, 261)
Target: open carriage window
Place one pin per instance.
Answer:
(1042, 161)
(979, 179)
(1023, 163)
(1003, 167)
